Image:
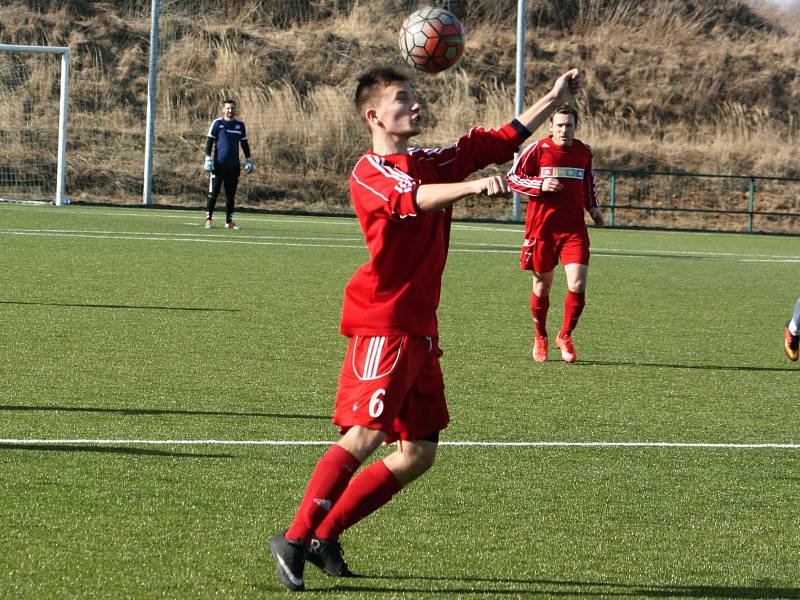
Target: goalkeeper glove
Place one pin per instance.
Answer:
(208, 165)
(248, 166)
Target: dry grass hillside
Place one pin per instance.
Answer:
(697, 86)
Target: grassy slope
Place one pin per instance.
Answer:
(714, 89)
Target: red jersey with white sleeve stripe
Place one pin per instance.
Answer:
(396, 292)
(553, 213)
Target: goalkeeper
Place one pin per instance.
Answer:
(224, 137)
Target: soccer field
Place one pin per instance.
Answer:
(165, 392)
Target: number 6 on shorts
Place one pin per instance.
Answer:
(376, 403)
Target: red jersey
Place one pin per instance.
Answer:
(396, 292)
(554, 212)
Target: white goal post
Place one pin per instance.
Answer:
(62, 111)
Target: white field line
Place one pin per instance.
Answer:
(169, 236)
(312, 242)
(350, 221)
(515, 228)
(518, 228)
(151, 237)
(131, 442)
(82, 211)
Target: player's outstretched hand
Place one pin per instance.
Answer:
(249, 167)
(568, 85)
(208, 164)
(494, 185)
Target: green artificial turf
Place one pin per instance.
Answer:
(135, 324)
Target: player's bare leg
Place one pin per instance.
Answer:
(574, 302)
(540, 303)
(411, 459)
(361, 442)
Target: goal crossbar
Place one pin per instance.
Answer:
(62, 107)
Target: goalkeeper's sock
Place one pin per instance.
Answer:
(211, 204)
(370, 489)
(327, 483)
(573, 307)
(539, 307)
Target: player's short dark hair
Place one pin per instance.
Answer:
(372, 82)
(229, 101)
(565, 109)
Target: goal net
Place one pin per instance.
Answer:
(33, 111)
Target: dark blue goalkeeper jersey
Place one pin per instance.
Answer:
(227, 135)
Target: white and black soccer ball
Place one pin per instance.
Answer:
(431, 40)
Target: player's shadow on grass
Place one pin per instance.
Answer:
(566, 588)
(123, 306)
(108, 450)
(159, 412)
(626, 363)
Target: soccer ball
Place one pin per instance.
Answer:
(431, 40)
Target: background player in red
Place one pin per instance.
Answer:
(556, 174)
(390, 386)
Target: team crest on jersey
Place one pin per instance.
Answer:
(234, 129)
(565, 172)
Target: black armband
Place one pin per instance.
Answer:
(209, 145)
(521, 129)
(246, 148)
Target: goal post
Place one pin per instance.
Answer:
(5, 82)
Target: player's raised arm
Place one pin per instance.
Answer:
(565, 87)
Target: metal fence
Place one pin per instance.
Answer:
(700, 201)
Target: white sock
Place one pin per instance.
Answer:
(794, 329)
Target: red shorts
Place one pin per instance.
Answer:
(392, 383)
(542, 255)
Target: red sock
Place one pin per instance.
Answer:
(369, 490)
(329, 480)
(573, 307)
(539, 306)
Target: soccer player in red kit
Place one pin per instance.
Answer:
(390, 386)
(556, 174)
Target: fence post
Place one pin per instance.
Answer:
(150, 133)
(519, 95)
(612, 198)
(751, 204)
